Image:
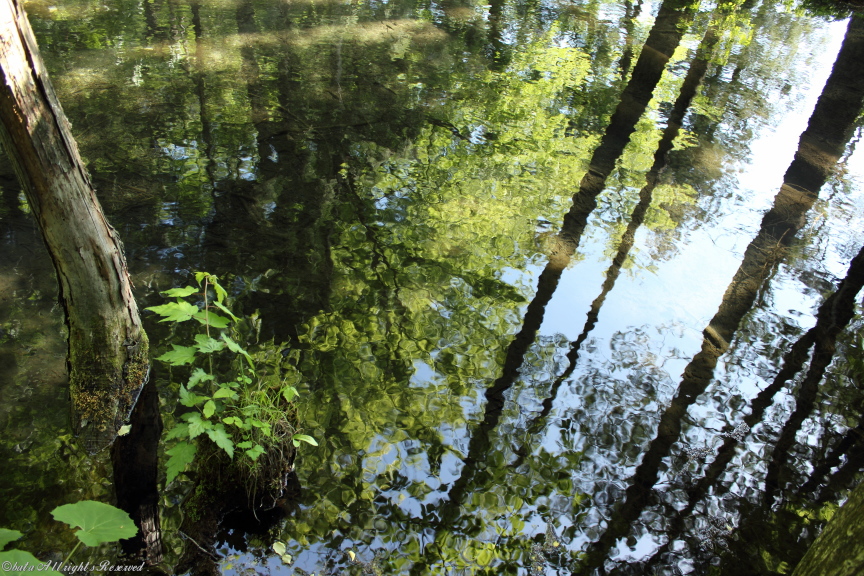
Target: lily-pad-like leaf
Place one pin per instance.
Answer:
(180, 292)
(7, 536)
(179, 356)
(99, 522)
(181, 455)
(297, 438)
(179, 311)
(23, 558)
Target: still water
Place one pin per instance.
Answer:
(547, 269)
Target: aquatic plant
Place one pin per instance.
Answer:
(98, 523)
(243, 409)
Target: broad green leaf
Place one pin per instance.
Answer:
(297, 438)
(225, 309)
(180, 292)
(179, 356)
(190, 399)
(236, 348)
(179, 311)
(221, 294)
(233, 420)
(211, 319)
(245, 445)
(254, 452)
(180, 430)
(197, 426)
(220, 436)
(199, 276)
(289, 392)
(206, 344)
(21, 558)
(225, 393)
(181, 455)
(99, 522)
(198, 375)
(209, 408)
(7, 535)
(279, 547)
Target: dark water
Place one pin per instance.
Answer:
(552, 279)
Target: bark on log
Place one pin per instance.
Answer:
(108, 349)
(839, 549)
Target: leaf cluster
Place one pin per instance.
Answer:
(242, 412)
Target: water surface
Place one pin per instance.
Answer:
(529, 342)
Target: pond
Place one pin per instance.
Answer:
(569, 285)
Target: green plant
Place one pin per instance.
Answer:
(240, 408)
(98, 522)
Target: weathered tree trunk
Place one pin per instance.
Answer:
(108, 351)
(839, 550)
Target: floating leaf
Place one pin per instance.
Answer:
(280, 549)
(180, 292)
(99, 522)
(7, 535)
(21, 558)
(207, 345)
(124, 430)
(297, 438)
(179, 356)
(181, 455)
(179, 311)
(220, 436)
